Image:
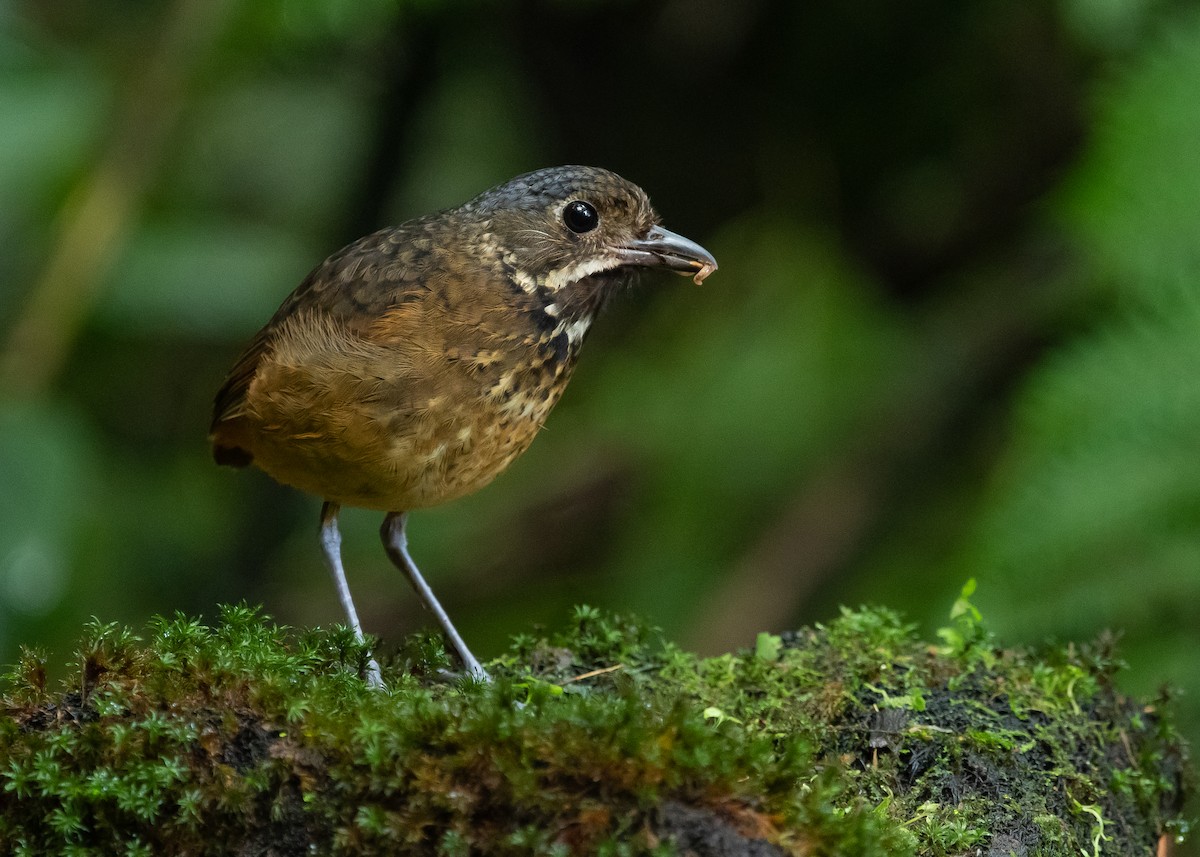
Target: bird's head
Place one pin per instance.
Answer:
(561, 226)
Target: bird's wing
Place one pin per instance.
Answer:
(229, 399)
(352, 288)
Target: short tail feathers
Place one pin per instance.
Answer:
(231, 456)
(230, 446)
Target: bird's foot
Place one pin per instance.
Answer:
(374, 675)
(478, 675)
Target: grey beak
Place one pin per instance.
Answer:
(662, 248)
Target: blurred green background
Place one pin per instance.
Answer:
(955, 333)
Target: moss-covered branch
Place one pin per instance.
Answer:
(852, 738)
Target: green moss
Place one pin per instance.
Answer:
(850, 738)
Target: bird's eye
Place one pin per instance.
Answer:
(580, 216)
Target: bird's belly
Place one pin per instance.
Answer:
(369, 455)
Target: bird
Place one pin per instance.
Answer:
(415, 364)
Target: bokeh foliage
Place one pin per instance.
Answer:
(954, 332)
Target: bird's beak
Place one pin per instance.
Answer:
(662, 248)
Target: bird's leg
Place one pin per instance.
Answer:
(396, 543)
(331, 546)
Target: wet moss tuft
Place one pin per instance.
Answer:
(854, 737)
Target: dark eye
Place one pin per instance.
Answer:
(580, 216)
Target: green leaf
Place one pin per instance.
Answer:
(768, 647)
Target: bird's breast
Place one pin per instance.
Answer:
(403, 422)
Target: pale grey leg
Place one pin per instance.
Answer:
(396, 543)
(331, 546)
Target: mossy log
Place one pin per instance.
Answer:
(853, 738)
